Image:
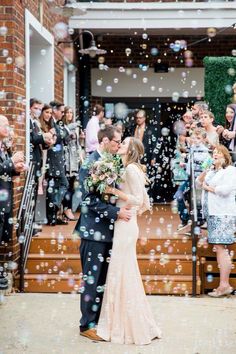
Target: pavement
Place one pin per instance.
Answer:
(49, 324)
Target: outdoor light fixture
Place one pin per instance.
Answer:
(92, 50)
(68, 9)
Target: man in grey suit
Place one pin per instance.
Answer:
(95, 228)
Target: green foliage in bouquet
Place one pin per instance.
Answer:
(219, 79)
(105, 172)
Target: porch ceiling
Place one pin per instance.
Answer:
(155, 18)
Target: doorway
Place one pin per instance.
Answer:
(161, 114)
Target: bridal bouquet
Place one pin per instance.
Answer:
(105, 172)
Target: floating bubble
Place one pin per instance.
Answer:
(3, 30)
(121, 69)
(9, 60)
(189, 62)
(109, 89)
(101, 60)
(210, 278)
(20, 62)
(153, 88)
(175, 96)
(154, 51)
(128, 51)
(5, 52)
(209, 268)
(129, 72)
(121, 110)
(231, 71)
(185, 94)
(21, 239)
(160, 89)
(188, 54)
(233, 52)
(43, 52)
(165, 131)
(134, 76)
(2, 95)
(71, 67)
(99, 82)
(60, 30)
(145, 80)
(71, 31)
(116, 80)
(228, 89)
(144, 67)
(144, 35)
(101, 66)
(211, 32)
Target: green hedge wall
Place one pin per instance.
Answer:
(220, 75)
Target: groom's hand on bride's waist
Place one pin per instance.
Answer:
(125, 213)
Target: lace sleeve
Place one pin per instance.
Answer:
(138, 195)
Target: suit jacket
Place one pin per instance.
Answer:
(149, 142)
(36, 141)
(7, 171)
(55, 154)
(97, 217)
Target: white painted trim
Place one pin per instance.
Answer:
(155, 5)
(31, 21)
(155, 15)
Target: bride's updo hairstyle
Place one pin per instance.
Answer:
(135, 152)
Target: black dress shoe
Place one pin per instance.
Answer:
(61, 222)
(52, 223)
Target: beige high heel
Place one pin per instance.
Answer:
(217, 293)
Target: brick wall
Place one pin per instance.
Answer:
(116, 45)
(12, 75)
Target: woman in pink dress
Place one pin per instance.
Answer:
(126, 317)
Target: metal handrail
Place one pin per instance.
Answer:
(25, 220)
(193, 211)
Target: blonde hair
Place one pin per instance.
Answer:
(135, 152)
(224, 151)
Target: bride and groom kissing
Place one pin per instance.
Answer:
(114, 306)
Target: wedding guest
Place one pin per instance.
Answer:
(144, 131)
(228, 133)
(10, 166)
(92, 128)
(73, 152)
(57, 181)
(219, 208)
(46, 126)
(126, 316)
(197, 109)
(38, 141)
(206, 119)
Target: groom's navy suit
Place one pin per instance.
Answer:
(95, 228)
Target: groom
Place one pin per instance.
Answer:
(95, 228)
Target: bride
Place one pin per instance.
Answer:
(126, 316)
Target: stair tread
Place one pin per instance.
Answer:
(76, 276)
(42, 236)
(77, 256)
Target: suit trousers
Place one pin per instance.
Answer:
(95, 260)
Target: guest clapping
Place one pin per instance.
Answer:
(219, 208)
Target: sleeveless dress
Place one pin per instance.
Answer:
(126, 317)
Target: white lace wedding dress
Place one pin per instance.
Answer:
(126, 316)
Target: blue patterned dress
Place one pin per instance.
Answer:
(221, 228)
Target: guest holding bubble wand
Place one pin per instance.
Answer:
(219, 207)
